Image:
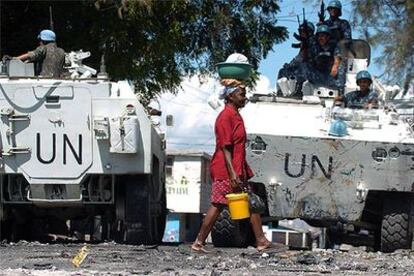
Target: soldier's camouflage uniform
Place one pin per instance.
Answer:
(318, 70)
(355, 99)
(49, 60)
(341, 34)
(290, 70)
(340, 29)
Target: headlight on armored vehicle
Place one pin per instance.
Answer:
(379, 154)
(258, 146)
(394, 153)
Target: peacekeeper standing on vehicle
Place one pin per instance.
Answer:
(48, 57)
(340, 28)
(323, 69)
(362, 98)
(341, 34)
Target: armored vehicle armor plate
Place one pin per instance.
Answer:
(81, 150)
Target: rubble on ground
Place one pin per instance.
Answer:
(27, 258)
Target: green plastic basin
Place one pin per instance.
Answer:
(239, 71)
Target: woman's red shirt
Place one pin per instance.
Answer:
(230, 131)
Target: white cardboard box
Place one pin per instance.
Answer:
(188, 181)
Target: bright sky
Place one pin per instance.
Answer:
(194, 118)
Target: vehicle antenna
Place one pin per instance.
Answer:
(102, 72)
(51, 18)
(0, 29)
(321, 13)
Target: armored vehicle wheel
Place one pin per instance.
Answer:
(230, 233)
(396, 230)
(5, 230)
(140, 211)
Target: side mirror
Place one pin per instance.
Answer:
(169, 120)
(154, 112)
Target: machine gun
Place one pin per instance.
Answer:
(303, 35)
(75, 66)
(321, 13)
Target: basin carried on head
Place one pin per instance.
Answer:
(236, 66)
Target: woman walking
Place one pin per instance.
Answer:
(229, 169)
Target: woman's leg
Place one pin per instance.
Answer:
(261, 241)
(208, 222)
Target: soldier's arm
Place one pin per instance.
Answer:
(372, 101)
(335, 66)
(338, 100)
(304, 53)
(23, 57)
(38, 54)
(337, 61)
(347, 31)
(35, 55)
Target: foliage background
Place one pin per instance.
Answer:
(389, 24)
(153, 43)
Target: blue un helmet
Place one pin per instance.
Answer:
(338, 128)
(310, 26)
(47, 35)
(323, 29)
(363, 75)
(336, 4)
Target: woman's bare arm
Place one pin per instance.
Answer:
(234, 178)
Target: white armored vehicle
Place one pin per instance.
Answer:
(355, 177)
(79, 151)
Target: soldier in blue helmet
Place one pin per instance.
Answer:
(341, 34)
(306, 32)
(340, 28)
(323, 68)
(362, 98)
(48, 57)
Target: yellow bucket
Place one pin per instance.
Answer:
(238, 205)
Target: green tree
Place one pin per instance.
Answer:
(154, 43)
(390, 25)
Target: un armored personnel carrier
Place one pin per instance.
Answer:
(358, 184)
(78, 153)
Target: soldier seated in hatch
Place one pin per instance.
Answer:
(362, 98)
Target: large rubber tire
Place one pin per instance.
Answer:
(230, 233)
(140, 215)
(396, 228)
(162, 218)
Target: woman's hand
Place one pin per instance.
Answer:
(235, 180)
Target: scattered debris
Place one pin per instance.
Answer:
(265, 255)
(80, 257)
(36, 259)
(307, 259)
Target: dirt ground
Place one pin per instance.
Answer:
(34, 258)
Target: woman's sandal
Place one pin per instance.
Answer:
(199, 248)
(273, 247)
